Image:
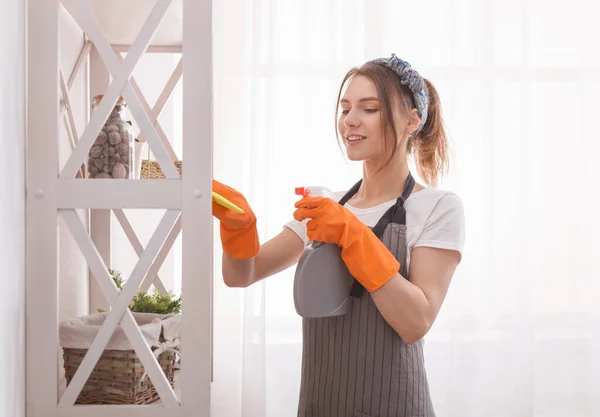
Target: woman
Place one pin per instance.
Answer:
(369, 362)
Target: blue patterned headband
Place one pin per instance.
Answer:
(411, 79)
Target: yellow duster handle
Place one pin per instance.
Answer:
(222, 201)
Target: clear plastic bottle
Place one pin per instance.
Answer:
(314, 191)
(112, 153)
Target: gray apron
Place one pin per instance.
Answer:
(356, 365)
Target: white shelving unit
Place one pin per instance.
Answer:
(112, 27)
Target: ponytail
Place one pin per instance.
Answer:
(430, 146)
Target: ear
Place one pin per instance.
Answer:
(413, 121)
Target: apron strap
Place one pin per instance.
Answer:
(350, 193)
(395, 214)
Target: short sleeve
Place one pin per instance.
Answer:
(445, 227)
(299, 228)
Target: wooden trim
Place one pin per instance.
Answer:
(112, 193)
(41, 272)
(197, 220)
(152, 49)
(100, 219)
(153, 410)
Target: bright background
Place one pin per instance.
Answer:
(519, 334)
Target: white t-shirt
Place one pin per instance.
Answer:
(434, 218)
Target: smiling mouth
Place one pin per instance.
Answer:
(354, 138)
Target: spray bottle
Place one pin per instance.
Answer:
(322, 282)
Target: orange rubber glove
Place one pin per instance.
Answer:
(366, 257)
(239, 236)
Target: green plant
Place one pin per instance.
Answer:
(143, 302)
(116, 276)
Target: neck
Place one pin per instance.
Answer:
(386, 183)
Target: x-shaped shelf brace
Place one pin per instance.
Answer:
(152, 277)
(120, 85)
(119, 312)
(65, 88)
(160, 104)
(120, 301)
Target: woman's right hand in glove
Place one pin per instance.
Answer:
(239, 236)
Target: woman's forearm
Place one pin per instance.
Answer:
(274, 256)
(237, 272)
(411, 307)
(405, 307)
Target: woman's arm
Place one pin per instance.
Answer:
(274, 256)
(411, 307)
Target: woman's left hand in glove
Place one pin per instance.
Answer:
(366, 257)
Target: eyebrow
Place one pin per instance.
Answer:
(361, 100)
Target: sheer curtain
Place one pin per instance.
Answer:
(519, 333)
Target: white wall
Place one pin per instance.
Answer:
(12, 216)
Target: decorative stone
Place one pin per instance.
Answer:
(96, 151)
(114, 138)
(102, 138)
(119, 171)
(123, 149)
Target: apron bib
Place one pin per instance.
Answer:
(356, 365)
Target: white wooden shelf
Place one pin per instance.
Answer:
(110, 27)
(117, 194)
(122, 20)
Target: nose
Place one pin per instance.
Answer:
(351, 119)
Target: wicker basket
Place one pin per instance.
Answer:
(151, 170)
(118, 377)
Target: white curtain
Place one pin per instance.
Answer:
(519, 333)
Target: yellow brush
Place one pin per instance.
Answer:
(222, 201)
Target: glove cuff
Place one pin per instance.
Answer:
(370, 262)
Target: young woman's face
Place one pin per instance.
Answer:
(359, 122)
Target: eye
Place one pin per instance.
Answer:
(371, 110)
(344, 111)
